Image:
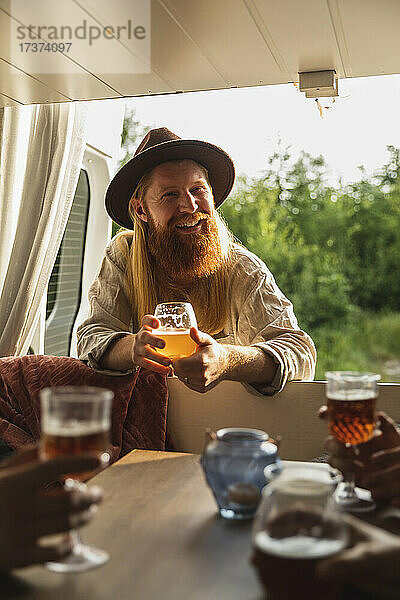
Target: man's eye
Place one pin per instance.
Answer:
(199, 188)
(169, 195)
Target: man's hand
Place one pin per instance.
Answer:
(143, 353)
(28, 512)
(214, 362)
(138, 349)
(372, 563)
(377, 465)
(383, 478)
(206, 367)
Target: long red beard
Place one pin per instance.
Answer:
(186, 257)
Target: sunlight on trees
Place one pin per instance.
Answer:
(334, 251)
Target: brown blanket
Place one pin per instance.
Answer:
(139, 411)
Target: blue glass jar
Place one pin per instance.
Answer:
(233, 461)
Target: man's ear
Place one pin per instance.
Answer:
(139, 209)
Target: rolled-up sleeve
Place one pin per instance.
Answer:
(110, 316)
(265, 319)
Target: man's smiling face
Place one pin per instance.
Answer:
(182, 232)
(177, 195)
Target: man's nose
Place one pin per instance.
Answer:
(187, 203)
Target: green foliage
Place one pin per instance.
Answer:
(330, 249)
(132, 132)
(115, 229)
(367, 342)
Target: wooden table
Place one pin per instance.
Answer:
(159, 524)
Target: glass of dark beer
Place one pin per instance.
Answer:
(74, 421)
(297, 526)
(351, 400)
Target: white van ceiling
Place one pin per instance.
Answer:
(190, 45)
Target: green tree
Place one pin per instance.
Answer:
(331, 249)
(132, 132)
(373, 238)
(286, 217)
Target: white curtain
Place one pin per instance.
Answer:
(41, 151)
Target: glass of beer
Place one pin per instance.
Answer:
(176, 319)
(296, 526)
(351, 400)
(76, 420)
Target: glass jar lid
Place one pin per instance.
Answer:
(242, 435)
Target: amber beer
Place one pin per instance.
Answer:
(60, 441)
(178, 343)
(352, 416)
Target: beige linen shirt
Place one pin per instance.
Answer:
(259, 315)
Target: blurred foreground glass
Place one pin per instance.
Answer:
(176, 319)
(233, 462)
(74, 421)
(296, 526)
(351, 401)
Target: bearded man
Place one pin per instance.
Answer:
(176, 247)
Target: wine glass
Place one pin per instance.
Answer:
(351, 400)
(176, 319)
(296, 526)
(76, 420)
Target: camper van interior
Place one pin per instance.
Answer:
(66, 71)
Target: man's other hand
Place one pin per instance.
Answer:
(206, 367)
(213, 362)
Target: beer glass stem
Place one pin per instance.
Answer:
(348, 497)
(82, 557)
(76, 539)
(347, 491)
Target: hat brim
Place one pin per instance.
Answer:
(218, 163)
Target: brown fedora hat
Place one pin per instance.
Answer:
(158, 146)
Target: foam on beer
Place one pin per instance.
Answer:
(356, 395)
(298, 546)
(72, 428)
(162, 332)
